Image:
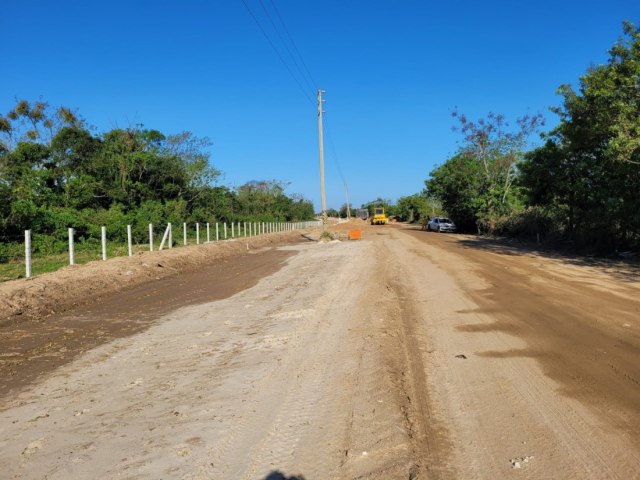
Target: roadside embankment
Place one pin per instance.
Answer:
(75, 285)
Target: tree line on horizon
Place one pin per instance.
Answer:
(56, 173)
(581, 187)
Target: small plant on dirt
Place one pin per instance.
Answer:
(327, 237)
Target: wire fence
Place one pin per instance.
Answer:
(19, 258)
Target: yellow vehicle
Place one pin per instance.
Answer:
(379, 218)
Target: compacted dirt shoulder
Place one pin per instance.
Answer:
(48, 321)
(302, 374)
(406, 354)
(533, 357)
(76, 285)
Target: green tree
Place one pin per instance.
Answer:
(497, 149)
(54, 174)
(332, 212)
(414, 207)
(591, 161)
(459, 184)
(343, 210)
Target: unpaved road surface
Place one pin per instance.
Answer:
(405, 355)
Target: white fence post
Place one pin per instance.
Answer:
(184, 233)
(225, 230)
(217, 235)
(233, 228)
(165, 236)
(151, 237)
(27, 253)
(208, 237)
(103, 238)
(197, 233)
(129, 240)
(72, 259)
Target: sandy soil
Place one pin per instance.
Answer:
(404, 355)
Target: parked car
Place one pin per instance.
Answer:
(441, 224)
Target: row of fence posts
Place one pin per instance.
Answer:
(253, 228)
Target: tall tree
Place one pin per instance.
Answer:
(497, 148)
(592, 159)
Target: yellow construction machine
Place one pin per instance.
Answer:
(379, 218)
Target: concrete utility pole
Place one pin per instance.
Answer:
(321, 144)
(346, 191)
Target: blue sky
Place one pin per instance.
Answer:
(393, 71)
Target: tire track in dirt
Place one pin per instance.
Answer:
(575, 433)
(429, 437)
(273, 412)
(315, 411)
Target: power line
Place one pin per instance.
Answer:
(333, 150)
(303, 71)
(255, 19)
(277, 30)
(337, 161)
(295, 47)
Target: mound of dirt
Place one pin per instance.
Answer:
(75, 285)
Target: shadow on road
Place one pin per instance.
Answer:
(276, 475)
(623, 270)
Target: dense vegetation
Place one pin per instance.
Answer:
(581, 186)
(55, 173)
(411, 208)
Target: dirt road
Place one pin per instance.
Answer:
(405, 355)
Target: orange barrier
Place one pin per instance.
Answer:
(355, 234)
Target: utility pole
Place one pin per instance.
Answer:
(346, 191)
(321, 145)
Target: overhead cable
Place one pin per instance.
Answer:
(333, 149)
(275, 49)
(295, 47)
